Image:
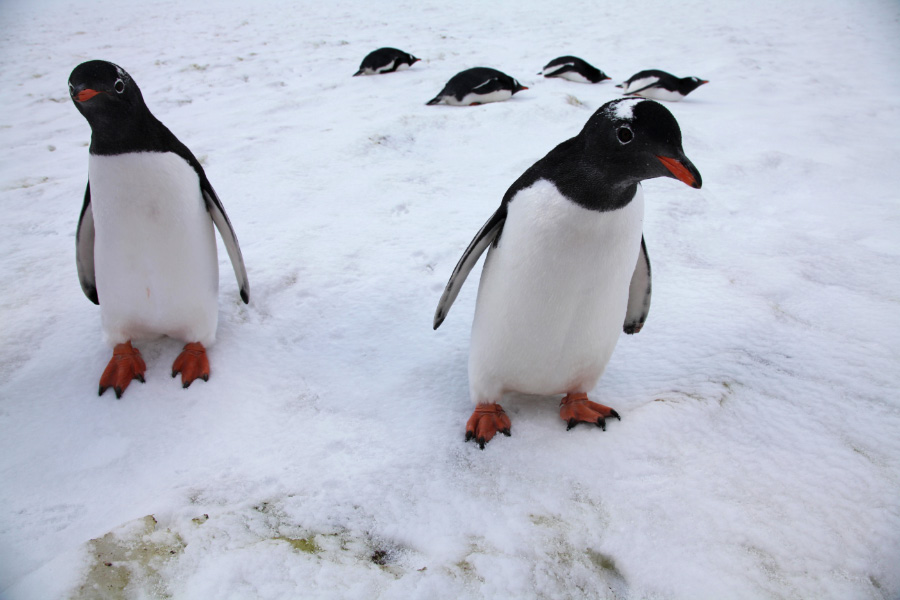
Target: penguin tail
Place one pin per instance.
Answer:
(433, 101)
(360, 72)
(620, 85)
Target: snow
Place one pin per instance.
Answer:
(623, 109)
(757, 455)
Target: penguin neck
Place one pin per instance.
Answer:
(578, 179)
(601, 192)
(594, 188)
(140, 132)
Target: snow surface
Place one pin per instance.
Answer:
(758, 454)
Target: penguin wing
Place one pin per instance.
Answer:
(644, 84)
(638, 293)
(485, 236)
(217, 212)
(488, 87)
(558, 69)
(84, 248)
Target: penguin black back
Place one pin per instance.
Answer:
(478, 84)
(573, 69)
(385, 60)
(644, 82)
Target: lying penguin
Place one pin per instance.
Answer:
(567, 267)
(660, 85)
(145, 246)
(386, 60)
(573, 69)
(479, 85)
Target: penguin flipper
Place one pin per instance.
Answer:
(559, 69)
(638, 293)
(653, 84)
(84, 248)
(485, 236)
(488, 87)
(217, 212)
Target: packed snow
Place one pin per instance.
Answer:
(758, 454)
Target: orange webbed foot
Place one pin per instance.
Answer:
(576, 408)
(192, 363)
(126, 364)
(485, 422)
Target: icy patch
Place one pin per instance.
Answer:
(130, 559)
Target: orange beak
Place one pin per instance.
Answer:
(679, 171)
(85, 95)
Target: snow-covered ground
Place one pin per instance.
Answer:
(758, 454)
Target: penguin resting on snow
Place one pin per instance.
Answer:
(659, 85)
(385, 60)
(479, 85)
(573, 69)
(145, 246)
(567, 265)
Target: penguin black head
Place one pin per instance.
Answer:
(689, 84)
(111, 101)
(104, 92)
(638, 139)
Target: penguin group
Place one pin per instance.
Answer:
(567, 265)
(482, 85)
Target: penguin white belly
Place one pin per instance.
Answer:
(154, 249)
(658, 93)
(553, 295)
(473, 98)
(575, 76)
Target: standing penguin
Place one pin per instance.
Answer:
(573, 69)
(145, 246)
(567, 265)
(479, 85)
(660, 85)
(385, 60)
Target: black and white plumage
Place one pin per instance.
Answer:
(479, 85)
(659, 85)
(145, 246)
(573, 69)
(385, 60)
(567, 268)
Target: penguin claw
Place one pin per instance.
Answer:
(575, 408)
(192, 363)
(126, 364)
(486, 421)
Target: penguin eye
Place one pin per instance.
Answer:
(120, 86)
(71, 89)
(625, 134)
